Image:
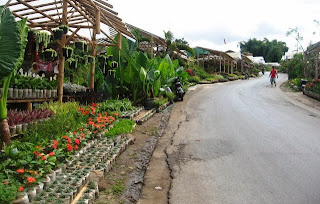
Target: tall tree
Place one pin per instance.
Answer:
(272, 51)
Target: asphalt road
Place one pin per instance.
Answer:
(244, 142)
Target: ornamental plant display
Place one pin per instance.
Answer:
(26, 162)
(16, 117)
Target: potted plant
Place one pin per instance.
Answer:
(72, 62)
(50, 54)
(114, 64)
(67, 51)
(57, 34)
(65, 28)
(81, 45)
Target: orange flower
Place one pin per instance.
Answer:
(44, 158)
(21, 188)
(38, 147)
(31, 179)
(20, 171)
(51, 153)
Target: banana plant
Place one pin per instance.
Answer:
(13, 40)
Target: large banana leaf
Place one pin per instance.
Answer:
(9, 42)
(23, 30)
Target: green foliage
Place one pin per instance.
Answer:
(295, 66)
(122, 127)
(8, 192)
(117, 106)
(118, 187)
(297, 81)
(9, 42)
(272, 51)
(160, 101)
(66, 118)
(195, 79)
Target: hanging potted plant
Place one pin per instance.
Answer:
(110, 58)
(65, 28)
(67, 51)
(72, 63)
(114, 64)
(31, 34)
(90, 58)
(50, 54)
(81, 45)
(57, 33)
(101, 60)
(44, 37)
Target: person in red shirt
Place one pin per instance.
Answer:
(273, 74)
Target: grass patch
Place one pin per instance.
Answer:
(118, 187)
(122, 127)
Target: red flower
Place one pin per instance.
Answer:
(35, 172)
(54, 146)
(5, 182)
(55, 142)
(44, 158)
(69, 147)
(51, 153)
(77, 141)
(20, 171)
(21, 188)
(75, 132)
(31, 179)
(116, 114)
(38, 147)
(75, 147)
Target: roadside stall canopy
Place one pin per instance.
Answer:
(81, 16)
(203, 50)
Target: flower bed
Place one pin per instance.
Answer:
(25, 164)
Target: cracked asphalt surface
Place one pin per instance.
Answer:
(237, 142)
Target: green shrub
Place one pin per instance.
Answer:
(122, 127)
(297, 81)
(66, 118)
(8, 192)
(195, 79)
(160, 101)
(117, 106)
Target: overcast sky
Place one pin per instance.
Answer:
(208, 22)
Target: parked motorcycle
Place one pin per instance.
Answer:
(179, 90)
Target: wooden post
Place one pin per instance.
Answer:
(98, 17)
(151, 47)
(61, 57)
(94, 53)
(242, 70)
(224, 64)
(316, 75)
(119, 41)
(220, 61)
(228, 66)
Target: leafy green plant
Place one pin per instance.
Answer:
(122, 127)
(160, 101)
(118, 187)
(117, 106)
(13, 41)
(8, 192)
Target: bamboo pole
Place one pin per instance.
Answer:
(61, 57)
(317, 65)
(92, 70)
(98, 31)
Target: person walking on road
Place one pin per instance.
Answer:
(273, 74)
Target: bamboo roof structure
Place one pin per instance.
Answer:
(91, 15)
(218, 53)
(47, 14)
